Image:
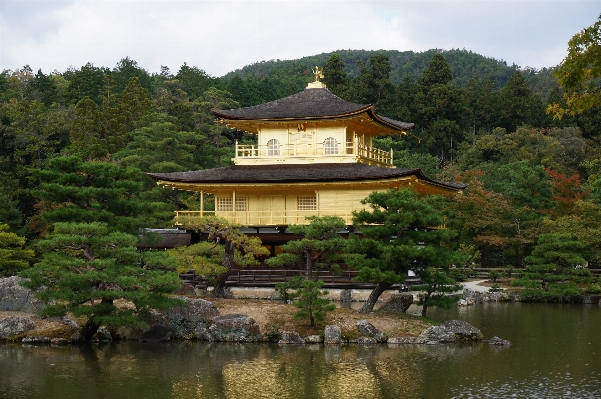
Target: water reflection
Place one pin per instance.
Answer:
(555, 353)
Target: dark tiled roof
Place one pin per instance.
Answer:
(308, 104)
(319, 172)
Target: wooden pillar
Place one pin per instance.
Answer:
(202, 203)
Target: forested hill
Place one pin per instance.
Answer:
(464, 65)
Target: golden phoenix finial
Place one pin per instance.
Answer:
(318, 74)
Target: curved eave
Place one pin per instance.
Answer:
(245, 124)
(415, 177)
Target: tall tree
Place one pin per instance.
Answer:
(579, 73)
(221, 232)
(439, 106)
(399, 233)
(334, 75)
(320, 247)
(88, 266)
(515, 102)
(94, 191)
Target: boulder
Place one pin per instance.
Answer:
(36, 340)
(332, 335)
(234, 328)
(404, 340)
(15, 325)
(16, 298)
(59, 341)
(398, 303)
(185, 289)
(346, 296)
(103, 334)
(436, 334)
(156, 334)
(313, 339)
(365, 341)
(368, 329)
(496, 341)
(463, 331)
(190, 321)
(290, 337)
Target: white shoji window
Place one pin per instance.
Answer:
(307, 203)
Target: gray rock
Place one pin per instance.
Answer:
(36, 340)
(103, 334)
(398, 303)
(190, 321)
(313, 339)
(15, 298)
(332, 335)
(463, 331)
(365, 341)
(290, 337)
(69, 322)
(156, 334)
(404, 340)
(186, 289)
(59, 341)
(76, 337)
(496, 341)
(346, 296)
(234, 328)
(15, 325)
(437, 334)
(366, 328)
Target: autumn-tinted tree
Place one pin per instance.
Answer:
(579, 73)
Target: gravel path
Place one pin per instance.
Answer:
(475, 285)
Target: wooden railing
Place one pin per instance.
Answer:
(315, 150)
(269, 218)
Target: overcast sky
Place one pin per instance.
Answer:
(221, 36)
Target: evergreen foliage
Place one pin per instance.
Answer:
(13, 256)
(310, 302)
(399, 233)
(320, 247)
(88, 266)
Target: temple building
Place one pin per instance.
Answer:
(314, 156)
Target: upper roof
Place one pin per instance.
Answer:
(308, 104)
(291, 173)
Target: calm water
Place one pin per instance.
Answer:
(556, 353)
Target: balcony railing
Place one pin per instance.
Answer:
(349, 149)
(267, 218)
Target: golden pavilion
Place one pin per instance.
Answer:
(314, 156)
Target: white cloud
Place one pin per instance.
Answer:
(220, 36)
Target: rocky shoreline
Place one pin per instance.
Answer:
(200, 319)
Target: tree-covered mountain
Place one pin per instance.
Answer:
(464, 65)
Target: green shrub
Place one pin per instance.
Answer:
(494, 275)
(310, 303)
(594, 288)
(284, 288)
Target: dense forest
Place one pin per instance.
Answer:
(478, 121)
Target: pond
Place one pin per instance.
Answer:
(556, 353)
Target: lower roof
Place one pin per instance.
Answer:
(297, 173)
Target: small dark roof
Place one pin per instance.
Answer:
(318, 172)
(308, 104)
